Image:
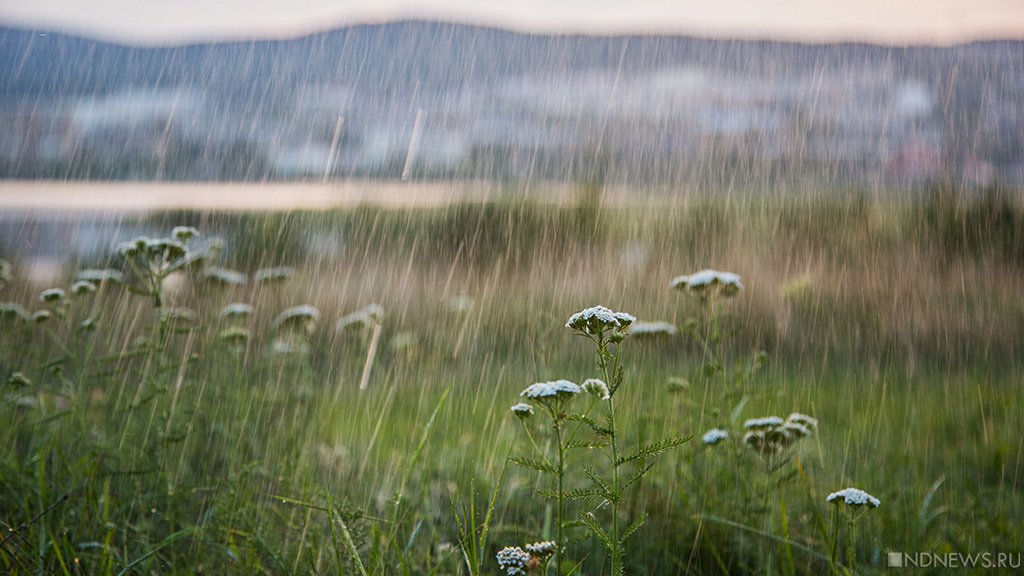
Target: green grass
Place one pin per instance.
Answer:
(190, 457)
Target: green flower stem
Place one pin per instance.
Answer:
(602, 359)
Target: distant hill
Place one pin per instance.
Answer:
(279, 100)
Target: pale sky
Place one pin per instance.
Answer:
(885, 21)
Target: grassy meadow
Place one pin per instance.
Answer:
(142, 438)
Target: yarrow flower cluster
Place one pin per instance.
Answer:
(542, 549)
(522, 410)
(771, 434)
(237, 310)
(369, 315)
(14, 311)
(304, 316)
(652, 329)
(51, 295)
(82, 287)
(597, 388)
(597, 319)
(765, 422)
(223, 276)
(513, 560)
(854, 497)
(101, 276)
(714, 436)
(552, 389)
(276, 274)
(706, 281)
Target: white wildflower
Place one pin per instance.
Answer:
(237, 310)
(184, 233)
(714, 436)
(275, 274)
(597, 319)
(100, 276)
(553, 389)
(653, 329)
(88, 325)
(597, 388)
(42, 316)
(542, 549)
(522, 410)
(166, 249)
(854, 497)
(223, 276)
(369, 315)
(51, 295)
(208, 252)
(796, 429)
(513, 560)
(729, 284)
(304, 315)
(81, 288)
(134, 247)
(14, 311)
(766, 422)
(803, 420)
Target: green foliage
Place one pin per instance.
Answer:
(130, 452)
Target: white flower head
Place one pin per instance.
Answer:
(13, 311)
(275, 274)
(42, 316)
(101, 276)
(133, 247)
(796, 429)
(542, 549)
(550, 390)
(223, 276)
(596, 388)
(166, 249)
(237, 310)
(513, 560)
(51, 295)
(303, 316)
(714, 436)
(703, 282)
(653, 329)
(81, 288)
(597, 319)
(522, 410)
(762, 423)
(854, 497)
(184, 233)
(803, 420)
(367, 316)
